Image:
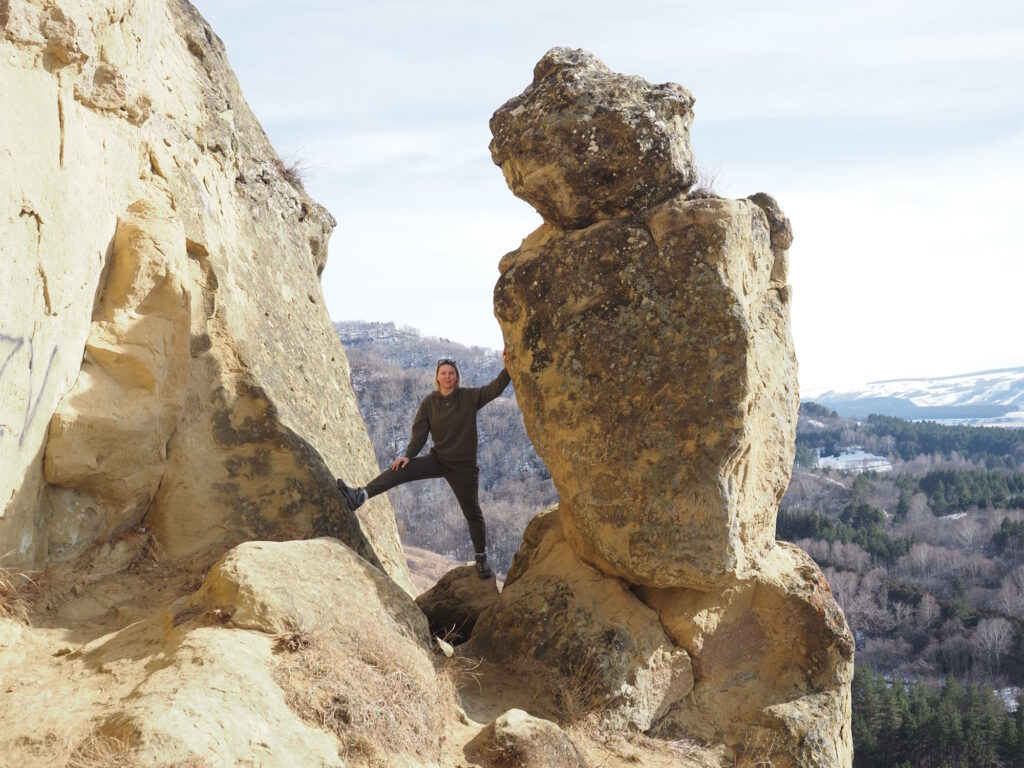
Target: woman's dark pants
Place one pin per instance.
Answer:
(462, 476)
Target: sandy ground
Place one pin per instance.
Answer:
(51, 696)
(56, 690)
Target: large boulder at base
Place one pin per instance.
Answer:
(166, 357)
(454, 603)
(282, 642)
(654, 365)
(517, 739)
(586, 629)
(583, 143)
(257, 585)
(772, 655)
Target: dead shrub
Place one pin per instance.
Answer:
(294, 168)
(16, 592)
(704, 186)
(371, 690)
(100, 750)
(575, 688)
(461, 671)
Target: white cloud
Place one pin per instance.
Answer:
(890, 132)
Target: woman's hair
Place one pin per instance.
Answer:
(453, 364)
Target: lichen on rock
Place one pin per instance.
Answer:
(583, 143)
(607, 646)
(655, 368)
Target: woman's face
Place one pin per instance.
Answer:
(447, 378)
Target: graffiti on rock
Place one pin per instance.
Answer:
(35, 389)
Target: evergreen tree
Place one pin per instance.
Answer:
(866, 718)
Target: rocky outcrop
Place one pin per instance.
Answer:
(108, 438)
(773, 656)
(254, 587)
(583, 143)
(166, 360)
(258, 666)
(608, 648)
(658, 381)
(453, 604)
(650, 347)
(516, 738)
(656, 369)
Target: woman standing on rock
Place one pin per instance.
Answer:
(449, 415)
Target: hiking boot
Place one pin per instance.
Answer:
(354, 497)
(482, 568)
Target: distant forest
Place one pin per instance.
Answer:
(927, 561)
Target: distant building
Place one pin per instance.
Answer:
(855, 460)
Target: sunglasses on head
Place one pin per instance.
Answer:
(446, 361)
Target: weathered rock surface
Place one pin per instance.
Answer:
(517, 739)
(108, 437)
(562, 614)
(583, 143)
(208, 678)
(654, 365)
(772, 654)
(257, 586)
(453, 604)
(652, 357)
(163, 322)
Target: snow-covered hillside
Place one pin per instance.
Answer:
(987, 397)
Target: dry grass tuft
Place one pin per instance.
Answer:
(99, 750)
(576, 689)
(757, 751)
(294, 168)
(704, 186)
(605, 747)
(377, 692)
(16, 592)
(685, 748)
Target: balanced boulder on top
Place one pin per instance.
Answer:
(583, 143)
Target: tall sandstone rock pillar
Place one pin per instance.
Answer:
(650, 346)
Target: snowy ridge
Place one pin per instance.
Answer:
(985, 397)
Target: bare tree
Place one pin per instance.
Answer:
(990, 642)
(928, 611)
(903, 614)
(919, 509)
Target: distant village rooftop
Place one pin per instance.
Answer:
(855, 460)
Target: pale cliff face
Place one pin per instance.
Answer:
(166, 357)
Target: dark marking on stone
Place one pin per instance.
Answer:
(199, 343)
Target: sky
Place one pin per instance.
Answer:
(892, 134)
